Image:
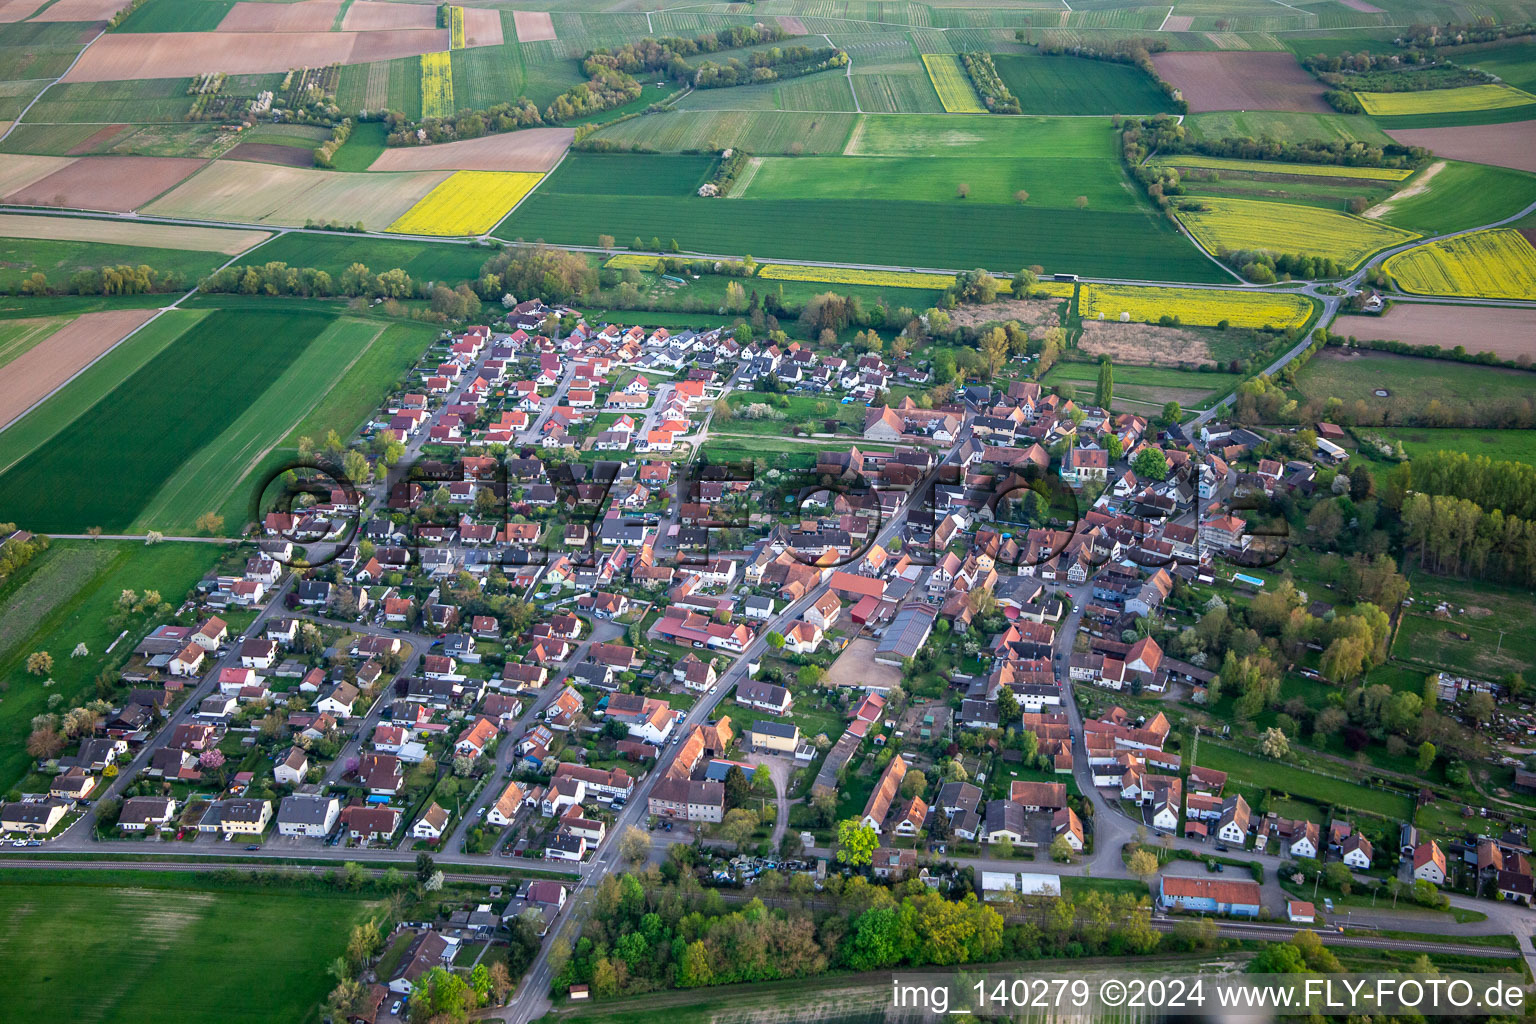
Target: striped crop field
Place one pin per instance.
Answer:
(952, 84)
(1491, 96)
(1237, 224)
(1499, 264)
(1217, 163)
(467, 203)
(1196, 307)
(436, 85)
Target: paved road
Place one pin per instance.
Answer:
(1351, 286)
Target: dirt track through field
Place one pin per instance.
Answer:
(1507, 333)
(230, 242)
(303, 16)
(115, 183)
(1417, 188)
(1241, 81)
(38, 371)
(532, 26)
(532, 149)
(1506, 145)
(377, 15)
(127, 56)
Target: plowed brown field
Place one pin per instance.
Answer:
(377, 15)
(1507, 333)
(1507, 145)
(126, 56)
(533, 26)
(34, 374)
(116, 183)
(532, 149)
(1241, 81)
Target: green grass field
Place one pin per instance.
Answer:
(1462, 195)
(896, 89)
(177, 16)
(343, 408)
(22, 257)
(153, 99)
(1332, 374)
(37, 50)
(1495, 620)
(192, 954)
(1499, 445)
(104, 467)
(91, 385)
(1050, 182)
(1514, 63)
(207, 478)
(1140, 388)
(78, 591)
(1076, 85)
(1260, 773)
(432, 261)
(1256, 124)
(762, 131)
(881, 207)
(362, 147)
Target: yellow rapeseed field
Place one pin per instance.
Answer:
(1197, 307)
(1491, 96)
(633, 259)
(1497, 264)
(467, 203)
(1288, 228)
(952, 84)
(455, 28)
(436, 85)
(1221, 163)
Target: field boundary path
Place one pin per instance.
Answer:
(22, 116)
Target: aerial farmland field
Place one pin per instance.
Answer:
(162, 414)
(1486, 264)
(1285, 227)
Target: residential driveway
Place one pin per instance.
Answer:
(781, 769)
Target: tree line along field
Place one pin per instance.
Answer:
(20, 258)
(198, 952)
(105, 464)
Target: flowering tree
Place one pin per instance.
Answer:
(211, 759)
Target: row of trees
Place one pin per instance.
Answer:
(646, 935)
(1509, 487)
(16, 552)
(1458, 537)
(989, 84)
(669, 53)
(768, 66)
(116, 280)
(1166, 135)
